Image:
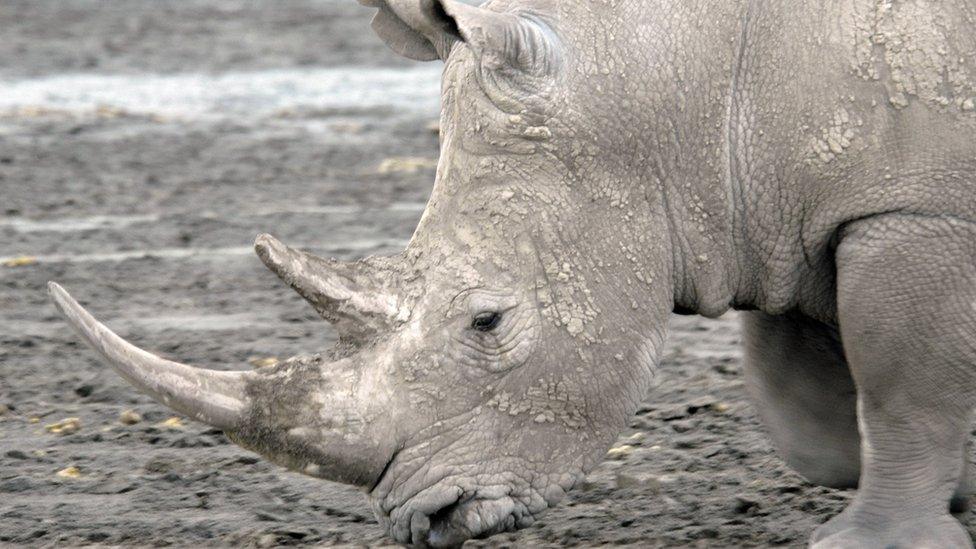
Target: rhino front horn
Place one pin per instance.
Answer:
(213, 397)
(345, 294)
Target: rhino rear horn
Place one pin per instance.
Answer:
(342, 293)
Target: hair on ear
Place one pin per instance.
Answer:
(449, 24)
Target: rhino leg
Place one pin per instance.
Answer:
(803, 391)
(905, 300)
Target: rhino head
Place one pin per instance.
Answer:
(480, 373)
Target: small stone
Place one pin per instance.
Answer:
(20, 261)
(172, 423)
(4, 409)
(266, 362)
(620, 452)
(66, 426)
(968, 104)
(34, 419)
(129, 417)
(16, 454)
(69, 472)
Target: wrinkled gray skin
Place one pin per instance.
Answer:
(604, 163)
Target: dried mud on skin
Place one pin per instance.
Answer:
(692, 469)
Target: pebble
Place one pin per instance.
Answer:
(172, 423)
(21, 261)
(265, 362)
(69, 472)
(129, 417)
(66, 426)
(620, 452)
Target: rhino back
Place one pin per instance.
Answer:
(844, 110)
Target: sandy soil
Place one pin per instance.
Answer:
(143, 144)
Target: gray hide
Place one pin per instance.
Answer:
(602, 164)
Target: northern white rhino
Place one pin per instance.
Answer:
(607, 162)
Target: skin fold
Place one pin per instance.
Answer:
(602, 165)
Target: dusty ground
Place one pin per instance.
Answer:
(143, 144)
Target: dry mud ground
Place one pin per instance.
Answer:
(143, 144)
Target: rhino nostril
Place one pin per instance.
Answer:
(445, 529)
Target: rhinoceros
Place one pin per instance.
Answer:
(603, 164)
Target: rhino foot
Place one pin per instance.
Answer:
(862, 529)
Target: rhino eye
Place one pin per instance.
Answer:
(486, 322)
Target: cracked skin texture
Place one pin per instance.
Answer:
(684, 155)
(689, 155)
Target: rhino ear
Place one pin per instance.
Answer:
(427, 29)
(404, 28)
(416, 29)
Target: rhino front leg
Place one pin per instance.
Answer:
(906, 294)
(802, 389)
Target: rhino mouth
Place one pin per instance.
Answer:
(447, 515)
(468, 518)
